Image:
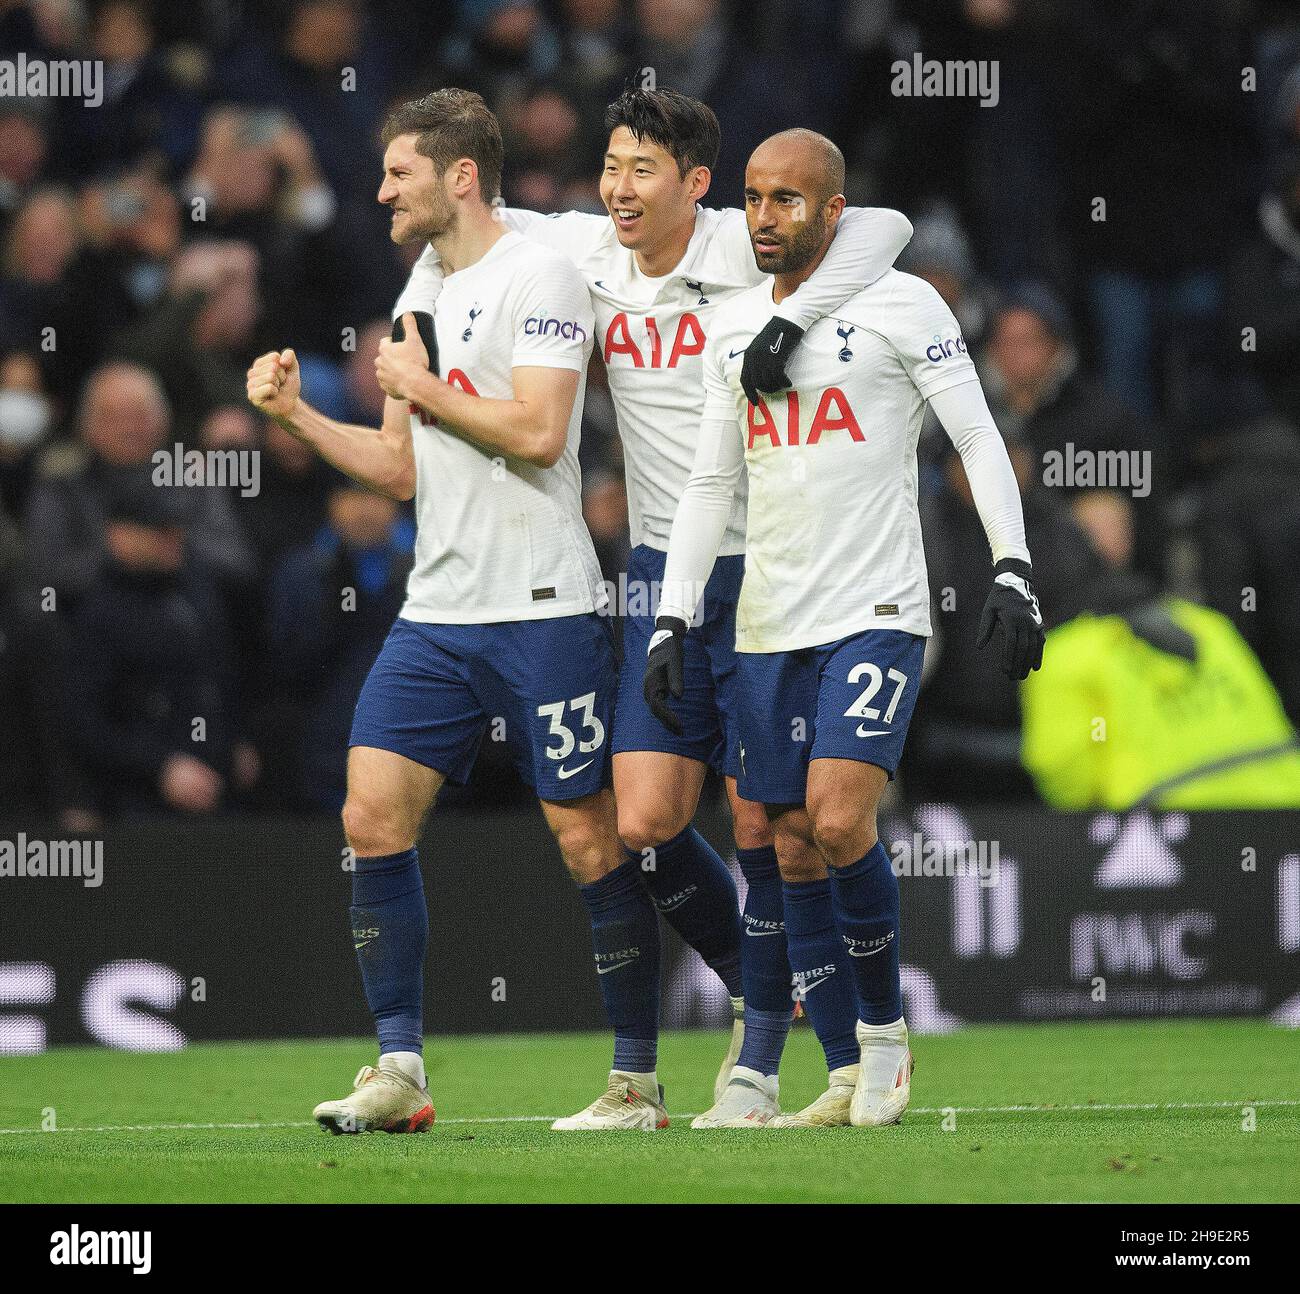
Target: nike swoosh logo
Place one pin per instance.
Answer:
(605, 970)
(808, 988)
(875, 732)
(360, 946)
(733, 353)
(758, 934)
(777, 347)
(853, 952)
(569, 772)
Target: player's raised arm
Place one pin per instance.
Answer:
(552, 327)
(575, 233)
(383, 460)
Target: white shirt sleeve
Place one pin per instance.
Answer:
(551, 315)
(867, 241)
(966, 418)
(704, 509)
(575, 233)
(422, 286)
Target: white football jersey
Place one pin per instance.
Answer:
(833, 541)
(651, 332)
(500, 539)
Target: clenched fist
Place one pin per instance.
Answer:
(402, 358)
(275, 383)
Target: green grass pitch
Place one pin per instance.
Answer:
(1130, 1112)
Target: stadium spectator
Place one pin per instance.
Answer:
(26, 416)
(197, 338)
(331, 606)
(965, 738)
(1037, 392)
(686, 45)
(255, 180)
(1247, 529)
(1158, 107)
(42, 240)
(22, 156)
(145, 108)
(123, 420)
(149, 688)
(1161, 702)
(1262, 312)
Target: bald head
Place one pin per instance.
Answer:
(814, 159)
(793, 198)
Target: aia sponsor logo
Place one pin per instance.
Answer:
(833, 413)
(457, 378)
(648, 350)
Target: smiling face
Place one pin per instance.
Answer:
(415, 192)
(646, 194)
(790, 213)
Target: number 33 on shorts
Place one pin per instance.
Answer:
(574, 729)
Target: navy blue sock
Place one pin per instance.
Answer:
(625, 936)
(693, 890)
(765, 967)
(390, 928)
(764, 964)
(817, 967)
(865, 898)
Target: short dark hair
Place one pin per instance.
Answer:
(687, 128)
(451, 124)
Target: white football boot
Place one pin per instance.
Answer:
(382, 1100)
(830, 1109)
(733, 1052)
(884, 1084)
(623, 1105)
(748, 1101)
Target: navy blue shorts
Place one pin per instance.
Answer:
(708, 709)
(850, 699)
(545, 687)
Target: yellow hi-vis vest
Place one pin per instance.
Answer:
(1110, 720)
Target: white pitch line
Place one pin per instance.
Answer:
(548, 1118)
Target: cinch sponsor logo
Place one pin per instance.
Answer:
(540, 326)
(944, 348)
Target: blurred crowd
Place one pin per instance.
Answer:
(1119, 237)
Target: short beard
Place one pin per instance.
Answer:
(799, 252)
(433, 226)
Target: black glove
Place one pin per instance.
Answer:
(766, 356)
(424, 325)
(1012, 605)
(664, 670)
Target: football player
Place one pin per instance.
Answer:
(834, 606)
(659, 266)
